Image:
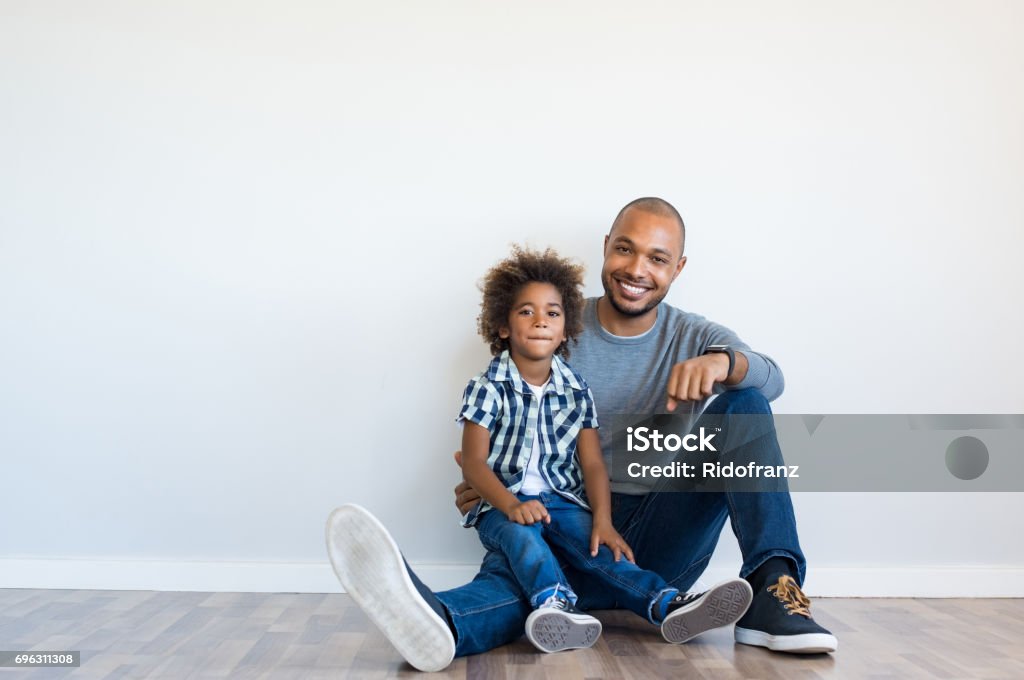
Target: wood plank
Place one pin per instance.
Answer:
(133, 634)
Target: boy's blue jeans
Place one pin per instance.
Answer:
(537, 571)
(672, 534)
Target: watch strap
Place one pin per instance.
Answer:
(724, 349)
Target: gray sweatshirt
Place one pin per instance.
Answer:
(629, 375)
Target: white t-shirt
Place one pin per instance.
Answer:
(533, 482)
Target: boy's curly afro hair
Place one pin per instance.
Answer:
(502, 282)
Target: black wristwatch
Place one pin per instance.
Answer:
(723, 349)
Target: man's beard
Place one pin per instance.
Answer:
(654, 302)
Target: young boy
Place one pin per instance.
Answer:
(530, 449)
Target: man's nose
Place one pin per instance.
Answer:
(635, 267)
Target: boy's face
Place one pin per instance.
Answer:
(536, 322)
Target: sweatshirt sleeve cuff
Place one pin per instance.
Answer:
(758, 370)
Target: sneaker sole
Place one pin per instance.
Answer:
(807, 643)
(554, 631)
(724, 604)
(370, 567)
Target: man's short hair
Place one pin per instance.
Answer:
(655, 206)
(503, 281)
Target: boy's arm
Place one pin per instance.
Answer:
(599, 495)
(476, 443)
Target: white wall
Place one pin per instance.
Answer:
(239, 245)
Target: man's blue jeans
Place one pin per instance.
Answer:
(671, 533)
(528, 551)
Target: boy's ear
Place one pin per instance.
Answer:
(503, 333)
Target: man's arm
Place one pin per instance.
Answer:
(694, 379)
(466, 496)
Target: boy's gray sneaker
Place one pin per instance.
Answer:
(691, 614)
(558, 625)
(372, 570)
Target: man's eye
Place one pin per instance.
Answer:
(622, 249)
(659, 260)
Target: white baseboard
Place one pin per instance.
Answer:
(317, 577)
(901, 581)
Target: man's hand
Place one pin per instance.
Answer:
(604, 533)
(528, 512)
(466, 496)
(694, 379)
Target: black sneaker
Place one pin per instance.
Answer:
(689, 615)
(371, 568)
(558, 625)
(780, 619)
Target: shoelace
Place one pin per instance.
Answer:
(684, 599)
(789, 594)
(556, 602)
(681, 600)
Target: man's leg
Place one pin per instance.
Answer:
(489, 611)
(779, 617)
(675, 533)
(427, 630)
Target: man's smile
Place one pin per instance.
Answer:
(631, 290)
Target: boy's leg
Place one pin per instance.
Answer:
(555, 624)
(533, 565)
(630, 586)
(681, 617)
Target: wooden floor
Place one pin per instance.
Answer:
(131, 634)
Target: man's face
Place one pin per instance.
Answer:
(536, 322)
(642, 257)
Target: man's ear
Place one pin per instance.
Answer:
(604, 248)
(679, 266)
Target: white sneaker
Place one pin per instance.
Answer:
(558, 625)
(372, 570)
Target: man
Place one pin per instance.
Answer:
(641, 357)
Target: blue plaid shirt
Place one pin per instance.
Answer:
(500, 401)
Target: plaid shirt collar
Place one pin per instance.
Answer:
(503, 369)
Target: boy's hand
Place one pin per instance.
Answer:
(528, 512)
(604, 532)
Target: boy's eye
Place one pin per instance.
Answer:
(525, 312)
(553, 313)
